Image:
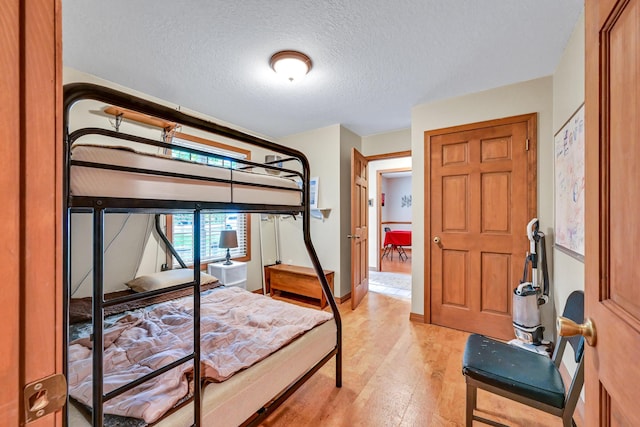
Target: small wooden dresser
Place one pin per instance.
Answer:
(297, 280)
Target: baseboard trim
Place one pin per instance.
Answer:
(414, 317)
(578, 415)
(343, 298)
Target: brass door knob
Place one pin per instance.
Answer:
(569, 328)
(436, 240)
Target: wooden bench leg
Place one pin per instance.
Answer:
(471, 404)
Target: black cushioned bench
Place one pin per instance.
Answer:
(522, 375)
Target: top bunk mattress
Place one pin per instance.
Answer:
(195, 181)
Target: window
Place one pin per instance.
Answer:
(210, 227)
(181, 225)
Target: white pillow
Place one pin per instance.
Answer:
(165, 279)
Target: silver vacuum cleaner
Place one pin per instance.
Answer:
(529, 295)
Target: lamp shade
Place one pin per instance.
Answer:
(228, 239)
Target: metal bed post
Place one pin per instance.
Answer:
(98, 316)
(66, 276)
(306, 231)
(197, 383)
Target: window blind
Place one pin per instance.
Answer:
(210, 227)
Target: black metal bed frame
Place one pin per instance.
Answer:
(99, 206)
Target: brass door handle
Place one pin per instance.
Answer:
(352, 236)
(569, 328)
(436, 240)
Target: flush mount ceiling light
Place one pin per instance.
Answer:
(290, 64)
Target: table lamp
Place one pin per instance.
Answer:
(228, 239)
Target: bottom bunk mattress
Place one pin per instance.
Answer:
(148, 339)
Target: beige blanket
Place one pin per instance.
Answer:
(238, 329)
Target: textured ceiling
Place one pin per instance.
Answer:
(373, 60)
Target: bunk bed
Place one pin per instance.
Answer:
(114, 178)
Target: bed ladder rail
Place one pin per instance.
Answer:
(99, 303)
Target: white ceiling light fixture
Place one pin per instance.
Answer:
(290, 64)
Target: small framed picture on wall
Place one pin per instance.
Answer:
(313, 192)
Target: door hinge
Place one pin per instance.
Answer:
(527, 145)
(44, 396)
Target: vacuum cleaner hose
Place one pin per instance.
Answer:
(543, 266)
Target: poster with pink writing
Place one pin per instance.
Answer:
(569, 186)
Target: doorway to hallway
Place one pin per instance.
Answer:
(389, 208)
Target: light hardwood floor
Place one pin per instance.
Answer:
(395, 373)
(395, 265)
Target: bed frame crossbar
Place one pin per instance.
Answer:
(149, 376)
(167, 242)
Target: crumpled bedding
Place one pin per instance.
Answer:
(238, 329)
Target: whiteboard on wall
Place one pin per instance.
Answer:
(569, 186)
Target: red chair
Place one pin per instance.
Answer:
(388, 247)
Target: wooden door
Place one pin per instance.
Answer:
(10, 213)
(30, 221)
(359, 228)
(612, 182)
(482, 193)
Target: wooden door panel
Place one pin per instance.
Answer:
(495, 149)
(618, 417)
(496, 202)
(479, 190)
(625, 241)
(455, 154)
(455, 203)
(10, 378)
(361, 233)
(496, 282)
(30, 218)
(359, 228)
(455, 270)
(612, 102)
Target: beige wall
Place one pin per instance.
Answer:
(322, 148)
(389, 142)
(568, 95)
(329, 153)
(533, 96)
